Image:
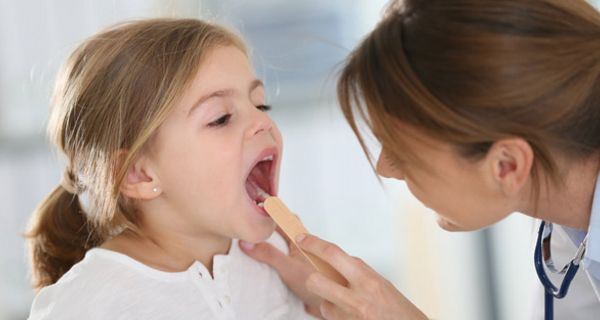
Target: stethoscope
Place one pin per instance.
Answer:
(543, 257)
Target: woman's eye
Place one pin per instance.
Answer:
(222, 121)
(264, 108)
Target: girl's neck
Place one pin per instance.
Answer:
(168, 251)
(569, 204)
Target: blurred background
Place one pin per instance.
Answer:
(297, 48)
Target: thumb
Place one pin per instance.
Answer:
(266, 253)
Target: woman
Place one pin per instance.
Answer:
(483, 108)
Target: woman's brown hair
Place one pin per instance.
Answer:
(111, 95)
(472, 72)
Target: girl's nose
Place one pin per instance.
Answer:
(259, 122)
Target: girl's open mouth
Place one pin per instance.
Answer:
(260, 180)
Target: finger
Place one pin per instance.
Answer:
(313, 311)
(288, 267)
(348, 266)
(265, 252)
(330, 311)
(331, 291)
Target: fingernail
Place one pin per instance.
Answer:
(300, 237)
(246, 245)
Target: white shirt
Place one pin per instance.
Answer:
(110, 285)
(583, 298)
(591, 259)
(581, 302)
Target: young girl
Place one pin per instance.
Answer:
(170, 156)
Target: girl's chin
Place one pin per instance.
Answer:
(254, 239)
(259, 234)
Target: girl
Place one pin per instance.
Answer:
(170, 155)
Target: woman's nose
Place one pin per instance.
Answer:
(386, 169)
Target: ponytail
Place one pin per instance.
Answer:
(58, 237)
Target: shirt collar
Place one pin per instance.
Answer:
(592, 252)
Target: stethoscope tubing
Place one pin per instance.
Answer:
(550, 290)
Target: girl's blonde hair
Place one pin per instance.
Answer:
(112, 94)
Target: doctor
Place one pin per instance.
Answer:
(483, 108)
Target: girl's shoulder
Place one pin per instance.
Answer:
(86, 289)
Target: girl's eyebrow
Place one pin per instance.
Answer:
(256, 83)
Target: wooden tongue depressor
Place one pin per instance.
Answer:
(291, 225)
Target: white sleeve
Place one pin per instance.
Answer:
(56, 303)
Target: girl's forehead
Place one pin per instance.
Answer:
(223, 70)
(224, 63)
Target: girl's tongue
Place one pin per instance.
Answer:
(258, 182)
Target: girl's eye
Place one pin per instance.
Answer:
(222, 121)
(264, 108)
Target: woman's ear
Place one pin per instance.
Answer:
(140, 181)
(511, 161)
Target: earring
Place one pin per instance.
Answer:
(155, 189)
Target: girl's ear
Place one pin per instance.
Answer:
(510, 162)
(140, 181)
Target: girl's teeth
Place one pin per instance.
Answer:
(269, 158)
(262, 193)
(261, 204)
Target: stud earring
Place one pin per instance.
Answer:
(155, 189)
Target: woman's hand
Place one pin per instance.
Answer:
(293, 269)
(367, 296)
